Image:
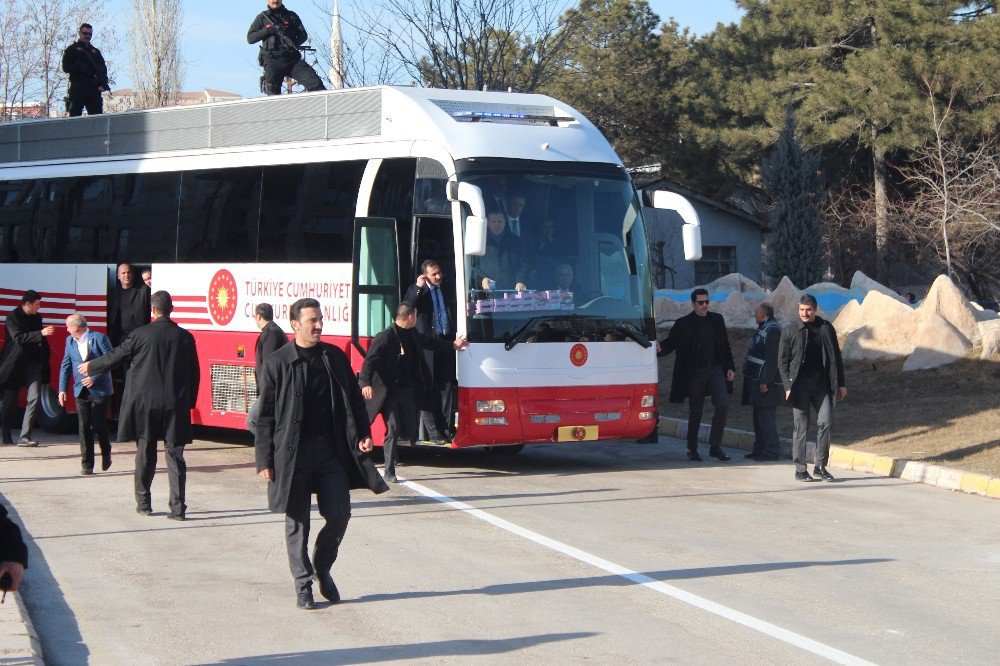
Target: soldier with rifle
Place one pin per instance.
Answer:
(281, 36)
(88, 75)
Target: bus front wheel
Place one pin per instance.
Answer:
(510, 450)
(52, 416)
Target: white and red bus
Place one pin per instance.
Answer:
(340, 196)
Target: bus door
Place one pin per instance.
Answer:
(375, 276)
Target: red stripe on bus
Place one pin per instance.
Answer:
(189, 299)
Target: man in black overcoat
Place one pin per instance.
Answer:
(24, 361)
(88, 74)
(762, 387)
(436, 318)
(813, 374)
(160, 390)
(128, 305)
(13, 551)
(393, 371)
(270, 340)
(313, 436)
(704, 366)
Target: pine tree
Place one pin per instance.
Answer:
(792, 177)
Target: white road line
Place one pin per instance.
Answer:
(767, 628)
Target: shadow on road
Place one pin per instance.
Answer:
(380, 653)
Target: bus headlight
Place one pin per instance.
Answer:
(647, 416)
(490, 406)
(647, 401)
(492, 420)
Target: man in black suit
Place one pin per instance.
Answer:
(128, 305)
(270, 340)
(161, 389)
(313, 436)
(436, 318)
(24, 361)
(393, 370)
(704, 366)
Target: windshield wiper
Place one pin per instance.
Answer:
(632, 333)
(512, 340)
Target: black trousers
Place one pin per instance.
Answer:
(333, 495)
(92, 415)
(765, 431)
(400, 413)
(275, 72)
(89, 99)
(705, 382)
(437, 419)
(145, 469)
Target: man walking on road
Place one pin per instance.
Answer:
(91, 393)
(24, 361)
(762, 387)
(813, 372)
(160, 390)
(313, 436)
(393, 371)
(704, 366)
(270, 340)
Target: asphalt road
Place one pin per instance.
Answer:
(603, 553)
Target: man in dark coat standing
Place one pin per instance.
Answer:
(436, 318)
(313, 436)
(281, 33)
(392, 372)
(813, 373)
(160, 391)
(762, 387)
(88, 74)
(128, 305)
(24, 361)
(704, 366)
(270, 340)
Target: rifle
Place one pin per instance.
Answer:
(101, 80)
(283, 36)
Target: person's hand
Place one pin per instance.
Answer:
(788, 394)
(841, 393)
(83, 367)
(48, 330)
(460, 343)
(764, 388)
(62, 398)
(365, 445)
(266, 474)
(87, 382)
(16, 571)
(367, 393)
(658, 348)
(421, 281)
(730, 375)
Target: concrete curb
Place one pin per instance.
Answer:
(844, 458)
(19, 644)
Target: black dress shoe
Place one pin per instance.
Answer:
(176, 516)
(86, 471)
(719, 454)
(803, 476)
(752, 456)
(144, 510)
(390, 478)
(327, 587)
(694, 457)
(823, 474)
(8, 438)
(105, 463)
(304, 600)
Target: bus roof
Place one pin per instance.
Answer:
(467, 124)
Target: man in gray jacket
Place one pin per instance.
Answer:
(762, 387)
(813, 373)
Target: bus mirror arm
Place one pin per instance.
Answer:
(691, 231)
(475, 223)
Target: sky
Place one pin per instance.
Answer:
(215, 49)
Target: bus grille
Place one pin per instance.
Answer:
(234, 388)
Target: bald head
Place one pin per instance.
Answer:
(76, 326)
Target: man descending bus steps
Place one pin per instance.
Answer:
(88, 74)
(160, 391)
(281, 34)
(313, 436)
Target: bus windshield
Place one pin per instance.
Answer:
(566, 259)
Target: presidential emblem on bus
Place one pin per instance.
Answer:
(222, 297)
(578, 355)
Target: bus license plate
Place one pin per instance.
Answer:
(577, 433)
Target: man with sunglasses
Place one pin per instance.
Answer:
(704, 366)
(88, 74)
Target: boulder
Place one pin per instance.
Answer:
(888, 337)
(850, 318)
(991, 344)
(667, 309)
(986, 326)
(861, 284)
(733, 282)
(736, 310)
(937, 342)
(945, 299)
(785, 299)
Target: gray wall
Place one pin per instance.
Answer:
(718, 228)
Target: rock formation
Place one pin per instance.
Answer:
(937, 342)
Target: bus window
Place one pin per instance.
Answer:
(143, 219)
(218, 217)
(307, 211)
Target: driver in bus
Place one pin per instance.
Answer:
(499, 267)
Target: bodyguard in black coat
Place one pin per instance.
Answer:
(703, 366)
(128, 305)
(270, 340)
(161, 389)
(24, 361)
(393, 371)
(313, 436)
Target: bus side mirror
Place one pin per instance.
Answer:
(691, 231)
(475, 236)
